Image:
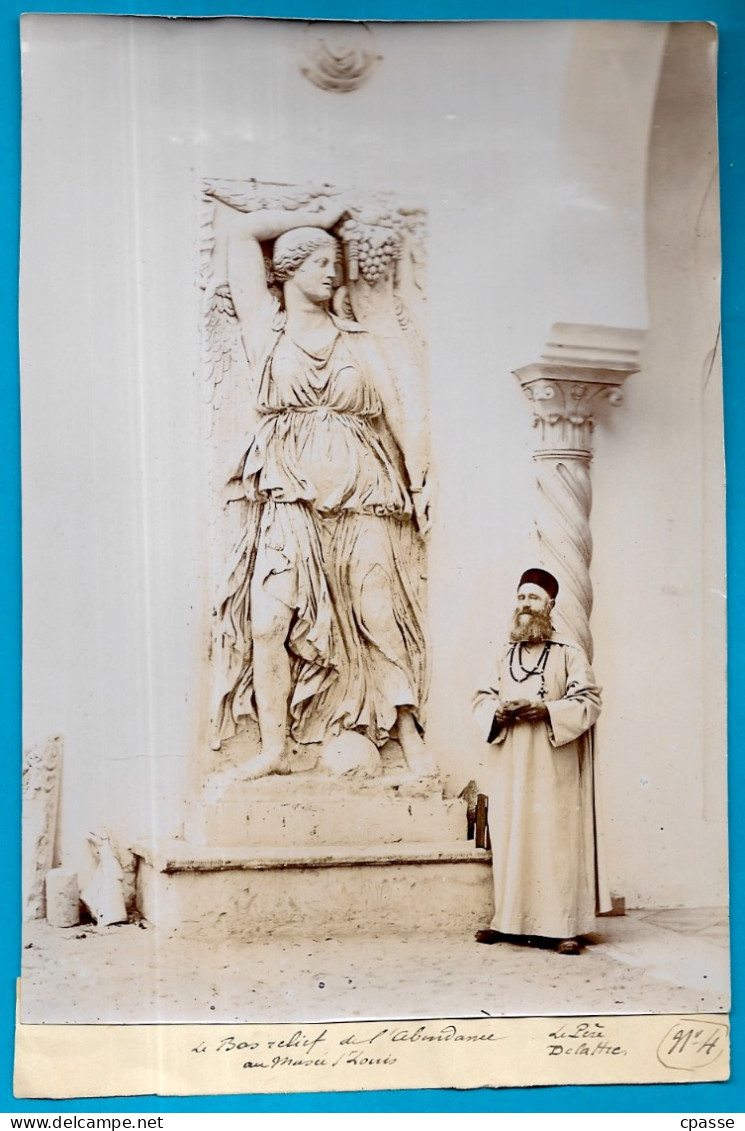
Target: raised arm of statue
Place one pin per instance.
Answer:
(242, 233)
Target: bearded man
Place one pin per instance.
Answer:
(538, 716)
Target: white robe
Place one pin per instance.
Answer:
(540, 783)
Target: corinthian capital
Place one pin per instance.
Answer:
(581, 368)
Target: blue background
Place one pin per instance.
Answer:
(729, 15)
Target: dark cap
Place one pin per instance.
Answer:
(542, 578)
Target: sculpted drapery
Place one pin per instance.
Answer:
(325, 584)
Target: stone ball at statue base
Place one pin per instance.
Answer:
(350, 754)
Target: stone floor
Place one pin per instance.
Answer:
(652, 961)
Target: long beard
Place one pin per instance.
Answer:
(531, 628)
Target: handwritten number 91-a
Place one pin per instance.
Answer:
(682, 1037)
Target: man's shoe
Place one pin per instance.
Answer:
(489, 937)
(568, 946)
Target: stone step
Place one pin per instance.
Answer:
(347, 820)
(250, 892)
(312, 809)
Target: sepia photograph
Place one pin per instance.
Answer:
(375, 654)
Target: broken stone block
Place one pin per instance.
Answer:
(62, 898)
(103, 894)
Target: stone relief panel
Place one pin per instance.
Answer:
(316, 377)
(42, 774)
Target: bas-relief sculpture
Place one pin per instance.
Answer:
(317, 380)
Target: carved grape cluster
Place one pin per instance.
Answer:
(372, 245)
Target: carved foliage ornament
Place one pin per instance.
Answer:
(564, 408)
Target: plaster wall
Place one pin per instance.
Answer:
(537, 215)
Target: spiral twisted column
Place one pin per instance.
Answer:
(582, 369)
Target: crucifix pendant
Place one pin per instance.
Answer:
(542, 693)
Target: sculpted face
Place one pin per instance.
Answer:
(315, 278)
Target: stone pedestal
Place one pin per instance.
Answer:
(248, 893)
(308, 855)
